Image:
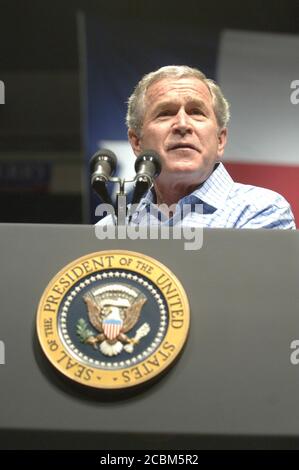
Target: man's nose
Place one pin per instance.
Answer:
(182, 124)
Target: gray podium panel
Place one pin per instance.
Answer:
(234, 385)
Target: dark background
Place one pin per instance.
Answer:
(39, 64)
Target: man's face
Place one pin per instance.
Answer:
(180, 124)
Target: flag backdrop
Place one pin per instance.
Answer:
(255, 71)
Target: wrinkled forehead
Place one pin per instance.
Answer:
(177, 88)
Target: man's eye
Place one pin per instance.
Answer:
(196, 111)
(164, 113)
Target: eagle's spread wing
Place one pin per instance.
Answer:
(93, 313)
(132, 314)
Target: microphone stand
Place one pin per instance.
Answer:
(121, 203)
(120, 208)
(147, 167)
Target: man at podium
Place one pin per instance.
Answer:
(182, 115)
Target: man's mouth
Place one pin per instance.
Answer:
(182, 145)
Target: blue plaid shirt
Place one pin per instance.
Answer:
(223, 204)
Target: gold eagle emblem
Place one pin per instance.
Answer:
(113, 310)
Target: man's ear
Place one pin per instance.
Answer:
(222, 139)
(134, 141)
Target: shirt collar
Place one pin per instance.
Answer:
(214, 191)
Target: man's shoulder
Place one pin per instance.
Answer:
(260, 207)
(258, 196)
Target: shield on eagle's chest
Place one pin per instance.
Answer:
(112, 327)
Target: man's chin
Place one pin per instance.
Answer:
(183, 168)
(189, 174)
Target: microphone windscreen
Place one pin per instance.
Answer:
(150, 156)
(103, 155)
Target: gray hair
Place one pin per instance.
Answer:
(136, 102)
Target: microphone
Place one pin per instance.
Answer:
(147, 167)
(102, 166)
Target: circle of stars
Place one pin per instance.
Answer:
(112, 365)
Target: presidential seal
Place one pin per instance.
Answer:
(113, 319)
